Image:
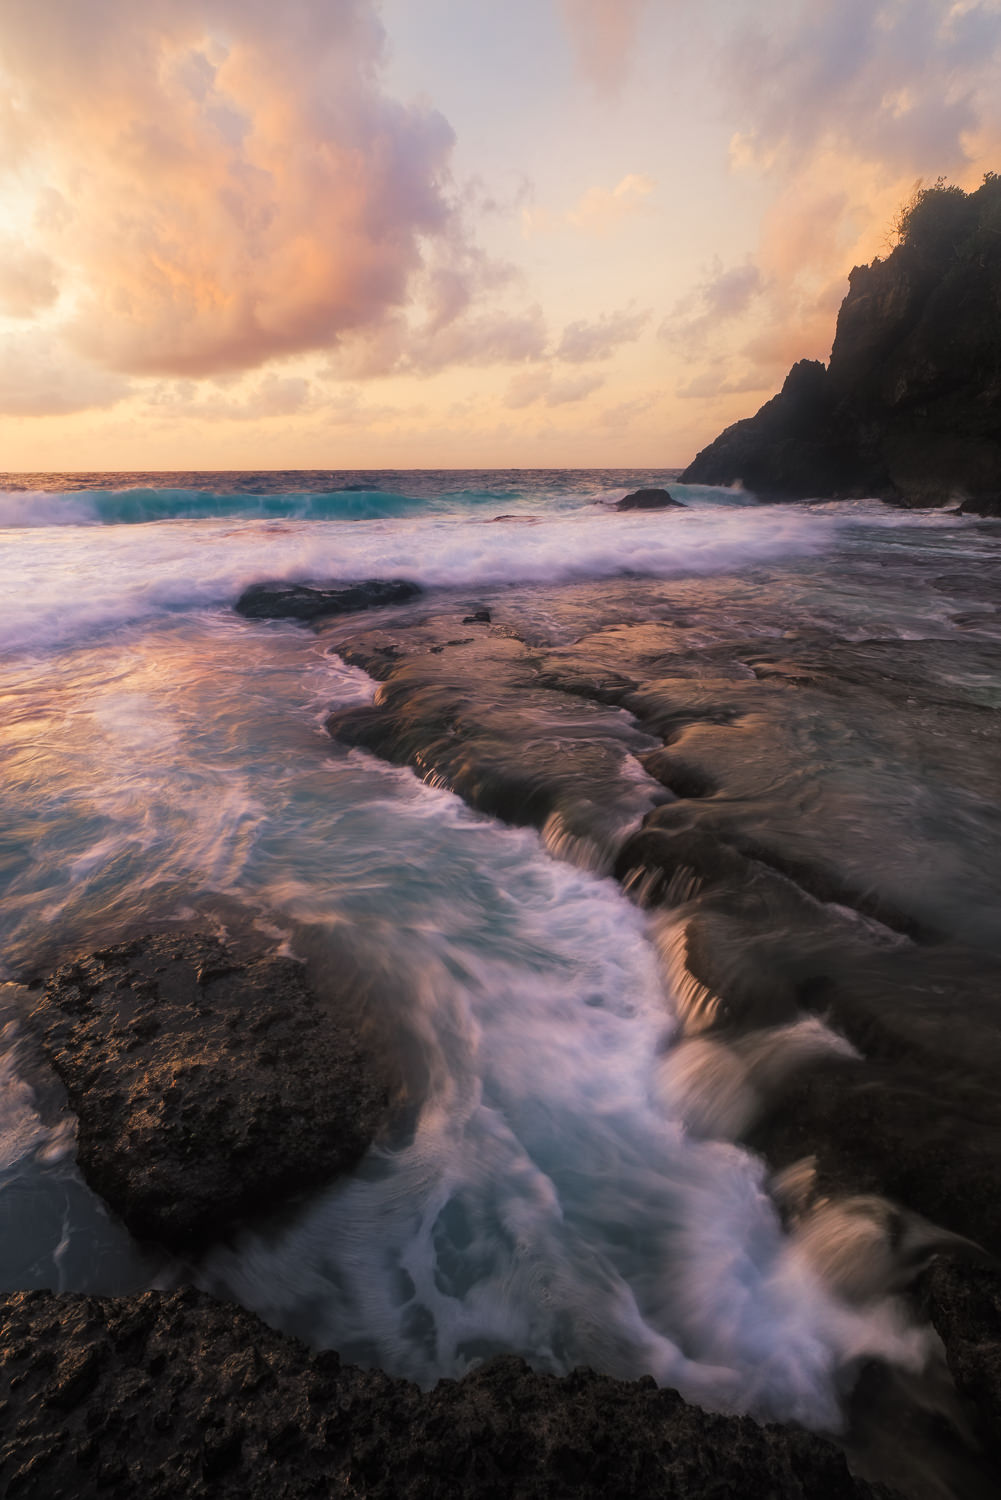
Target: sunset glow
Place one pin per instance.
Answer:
(582, 232)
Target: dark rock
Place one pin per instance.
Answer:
(910, 406)
(207, 1088)
(298, 601)
(651, 499)
(474, 715)
(160, 1422)
(982, 505)
(964, 1303)
(478, 617)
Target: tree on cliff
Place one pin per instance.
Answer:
(943, 221)
(909, 407)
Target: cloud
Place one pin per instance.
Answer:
(585, 341)
(889, 82)
(726, 294)
(39, 379)
(603, 34)
(494, 337)
(400, 346)
(525, 390)
(600, 210)
(597, 212)
(272, 395)
(715, 382)
(27, 280)
(573, 388)
(845, 105)
(541, 385)
(624, 413)
(233, 182)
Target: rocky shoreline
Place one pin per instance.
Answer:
(904, 1135)
(179, 1396)
(174, 1394)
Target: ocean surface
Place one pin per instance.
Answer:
(165, 759)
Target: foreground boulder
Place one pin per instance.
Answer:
(300, 601)
(178, 1396)
(208, 1089)
(910, 406)
(650, 499)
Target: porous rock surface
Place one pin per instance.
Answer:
(208, 1088)
(964, 1303)
(300, 601)
(176, 1397)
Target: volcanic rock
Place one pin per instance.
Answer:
(299, 601)
(175, 1396)
(651, 499)
(207, 1088)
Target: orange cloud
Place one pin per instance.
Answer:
(601, 209)
(584, 340)
(539, 385)
(844, 106)
(232, 184)
(603, 33)
(27, 280)
(38, 378)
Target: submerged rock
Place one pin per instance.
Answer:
(207, 1088)
(179, 1396)
(651, 499)
(299, 601)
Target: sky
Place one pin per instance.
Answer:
(450, 233)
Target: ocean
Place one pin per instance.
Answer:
(573, 1186)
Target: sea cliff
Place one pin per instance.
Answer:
(909, 407)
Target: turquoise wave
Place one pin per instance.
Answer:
(130, 507)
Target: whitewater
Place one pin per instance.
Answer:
(556, 1194)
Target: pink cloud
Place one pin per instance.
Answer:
(603, 33)
(587, 340)
(234, 184)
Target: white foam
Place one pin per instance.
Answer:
(65, 583)
(34, 508)
(24, 1137)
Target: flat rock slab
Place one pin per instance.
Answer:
(178, 1396)
(208, 1089)
(651, 499)
(299, 601)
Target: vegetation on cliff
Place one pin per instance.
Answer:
(909, 407)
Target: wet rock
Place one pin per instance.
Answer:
(964, 1303)
(162, 1419)
(649, 499)
(299, 601)
(474, 715)
(208, 1088)
(982, 505)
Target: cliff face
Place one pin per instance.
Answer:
(909, 407)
